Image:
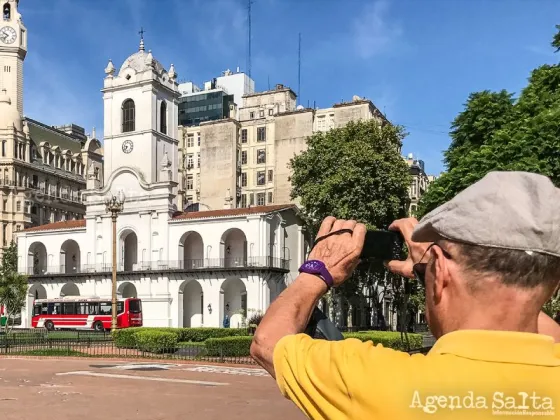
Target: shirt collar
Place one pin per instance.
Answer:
(499, 346)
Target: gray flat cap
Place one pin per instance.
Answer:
(510, 210)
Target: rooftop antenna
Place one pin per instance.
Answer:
(299, 69)
(249, 3)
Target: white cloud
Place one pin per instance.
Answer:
(374, 32)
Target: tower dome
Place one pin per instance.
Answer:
(141, 61)
(9, 115)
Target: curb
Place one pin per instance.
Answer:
(137, 360)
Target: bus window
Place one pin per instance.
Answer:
(120, 307)
(37, 310)
(81, 308)
(56, 309)
(50, 308)
(69, 308)
(93, 309)
(135, 306)
(105, 308)
(44, 309)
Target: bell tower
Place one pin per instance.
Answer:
(13, 49)
(141, 117)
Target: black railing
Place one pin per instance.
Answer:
(39, 342)
(92, 344)
(166, 265)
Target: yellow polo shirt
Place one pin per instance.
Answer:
(466, 375)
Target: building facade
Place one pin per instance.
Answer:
(219, 99)
(197, 106)
(43, 169)
(189, 268)
(245, 162)
(419, 182)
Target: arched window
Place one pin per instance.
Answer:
(7, 11)
(128, 116)
(163, 117)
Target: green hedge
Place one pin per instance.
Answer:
(389, 339)
(156, 341)
(190, 344)
(202, 334)
(228, 346)
(125, 338)
(240, 346)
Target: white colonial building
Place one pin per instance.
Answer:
(189, 269)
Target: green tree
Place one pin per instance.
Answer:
(556, 40)
(13, 286)
(10, 259)
(495, 132)
(552, 307)
(355, 172)
(485, 113)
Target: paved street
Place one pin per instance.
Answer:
(99, 389)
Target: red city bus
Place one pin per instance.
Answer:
(75, 312)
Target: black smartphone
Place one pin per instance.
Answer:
(384, 245)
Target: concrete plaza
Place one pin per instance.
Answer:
(67, 389)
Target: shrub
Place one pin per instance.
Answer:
(199, 335)
(125, 338)
(156, 341)
(228, 346)
(255, 318)
(190, 344)
(389, 339)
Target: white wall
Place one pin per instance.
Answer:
(167, 296)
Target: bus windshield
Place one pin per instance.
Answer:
(135, 306)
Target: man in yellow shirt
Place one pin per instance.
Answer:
(489, 259)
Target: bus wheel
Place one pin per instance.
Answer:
(49, 326)
(98, 326)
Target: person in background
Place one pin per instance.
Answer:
(489, 259)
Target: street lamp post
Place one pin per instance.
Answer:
(114, 205)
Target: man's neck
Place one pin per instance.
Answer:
(499, 312)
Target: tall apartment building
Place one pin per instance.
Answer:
(419, 182)
(43, 169)
(197, 106)
(220, 98)
(245, 162)
(237, 84)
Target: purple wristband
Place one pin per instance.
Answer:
(317, 268)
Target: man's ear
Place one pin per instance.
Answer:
(440, 267)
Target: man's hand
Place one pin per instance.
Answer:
(339, 253)
(290, 312)
(416, 250)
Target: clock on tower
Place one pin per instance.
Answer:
(13, 49)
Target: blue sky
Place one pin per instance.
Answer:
(417, 60)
